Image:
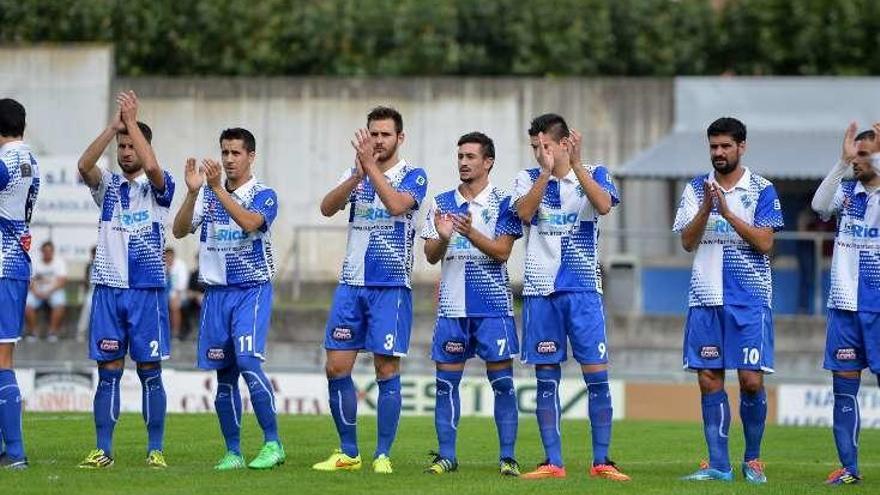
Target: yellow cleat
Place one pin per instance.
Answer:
(156, 459)
(382, 465)
(338, 461)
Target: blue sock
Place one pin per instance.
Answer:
(10, 415)
(262, 396)
(600, 412)
(753, 413)
(227, 403)
(506, 413)
(154, 406)
(549, 411)
(846, 421)
(343, 406)
(716, 425)
(106, 407)
(388, 413)
(447, 411)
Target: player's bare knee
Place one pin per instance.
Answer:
(710, 381)
(116, 364)
(497, 365)
(453, 366)
(6, 350)
(852, 375)
(751, 382)
(386, 366)
(149, 365)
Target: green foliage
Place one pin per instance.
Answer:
(462, 37)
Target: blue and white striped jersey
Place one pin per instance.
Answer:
(472, 284)
(131, 231)
(855, 266)
(562, 248)
(380, 246)
(19, 187)
(727, 269)
(227, 254)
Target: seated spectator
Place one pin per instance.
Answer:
(82, 325)
(48, 276)
(176, 277)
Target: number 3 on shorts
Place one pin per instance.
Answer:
(389, 342)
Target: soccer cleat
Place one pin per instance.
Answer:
(338, 461)
(156, 459)
(545, 470)
(707, 473)
(13, 465)
(842, 476)
(440, 465)
(229, 462)
(271, 455)
(382, 465)
(508, 467)
(608, 471)
(96, 459)
(753, 472)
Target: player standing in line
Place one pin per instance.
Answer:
(233, 218)
(853, 338)
(472, 229)
(729, 217)
(19, 185)
(372, 307)
(560, 203)
(129, 306)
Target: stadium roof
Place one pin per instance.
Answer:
(795, 124)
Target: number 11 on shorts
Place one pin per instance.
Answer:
(246, 343)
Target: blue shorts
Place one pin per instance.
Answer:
(852, 342)
(234, 322)
(129, 320)
(728, 337)
(550, 322)
(13, 294)
(377, 319)
(458, 339)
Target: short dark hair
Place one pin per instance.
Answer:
(868, 135)
(551, 124)
(240, 133)
(486, 145)
(12, 116)
(727, 126)
(145, 130)
(386, 113)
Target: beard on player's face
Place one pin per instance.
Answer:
(386, 152)
(725, 164)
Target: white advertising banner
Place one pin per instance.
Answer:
(812, 405)
(295, 393)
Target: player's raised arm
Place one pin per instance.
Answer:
(759, 237)
(88, 162)
(598, 196)
(527, 204)
(183, 221)
(335, 200)
(248, 220)
(128, 105)
(692, 233)
(396, 202)
(437, 232)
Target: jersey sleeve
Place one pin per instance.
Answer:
(265, 203)
(342, 178)
(687, 209)
(522, 184)
(508, 222)
(416, 184)
(4, 175)
(429, 230)
(163, 198)
(198, 211)
(768, 212)
(100, 190)
(602, 176)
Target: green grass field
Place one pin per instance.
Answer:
(654, 454)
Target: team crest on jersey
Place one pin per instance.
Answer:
(453, 347)
(580, 191)
(216, 354)
(487, 216)
(342, 333)
(546, 347)
(746, 200)
(108, 345)
(710, 352)
(846, 354)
